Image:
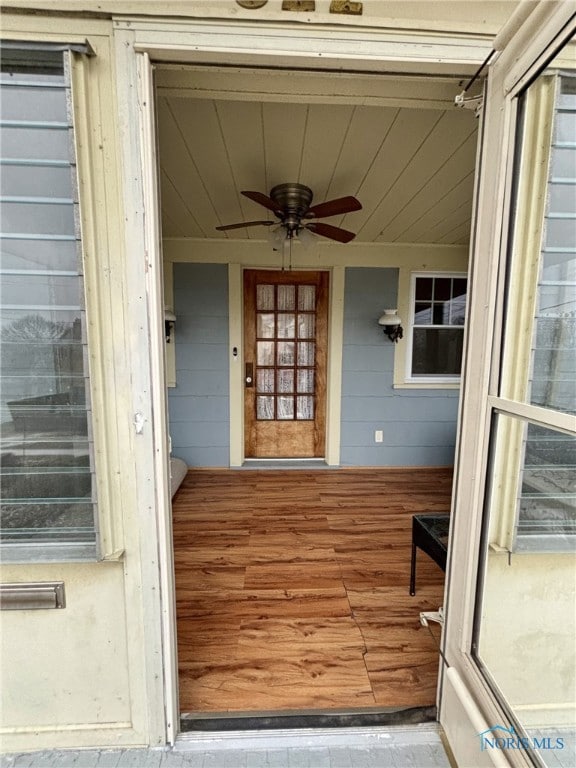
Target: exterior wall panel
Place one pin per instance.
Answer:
(79, 676)
(419, 425)
(90, 674)
(199, 403)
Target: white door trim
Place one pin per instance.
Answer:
(158, 393)
(315, 46)
(286, 45)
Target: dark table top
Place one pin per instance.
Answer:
(436, 526)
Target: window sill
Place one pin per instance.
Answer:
(42, 553)
(427, 385)
(543, 544)
(546, 543)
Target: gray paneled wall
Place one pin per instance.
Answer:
(419, 426)
(199, 405)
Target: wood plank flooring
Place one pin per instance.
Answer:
(292, 589)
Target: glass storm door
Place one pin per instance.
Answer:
(507, 691)
(285, 337)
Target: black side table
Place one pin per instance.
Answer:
(430, 533)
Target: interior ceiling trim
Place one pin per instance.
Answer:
(310, 62)
(249, 84)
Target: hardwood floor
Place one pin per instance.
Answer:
(292, 589)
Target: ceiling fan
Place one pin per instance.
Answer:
(291, 204)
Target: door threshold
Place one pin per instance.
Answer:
(286, 738)
(304, 719)
(286, 464)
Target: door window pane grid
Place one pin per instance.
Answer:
(265, 352)
(265, 380)
(266, 325)
(306, 326)
(306, 380)
(285, 366)
(285, 408)
(264, 408)
(306, 352)
(264, 297)
(286, 380)
(286, 326)
(286, 297)
(306, 298)
(285, 353)
(304, 408)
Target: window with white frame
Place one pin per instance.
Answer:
(541, 513)
(48, 504)
(436, 327)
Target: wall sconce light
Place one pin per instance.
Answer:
(169, 322)
(391, 324)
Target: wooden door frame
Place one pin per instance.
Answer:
(336, 277)
(316, 428)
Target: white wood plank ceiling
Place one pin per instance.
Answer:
(409, 161)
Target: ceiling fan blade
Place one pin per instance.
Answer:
(262, 199)
(246, 224)
(334, 207)
(334, 233)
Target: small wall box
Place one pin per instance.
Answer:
(347, 7)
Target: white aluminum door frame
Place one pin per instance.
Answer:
(467, 704)
(155, 289)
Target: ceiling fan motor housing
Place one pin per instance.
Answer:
(293, 200)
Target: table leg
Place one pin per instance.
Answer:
(413, 571)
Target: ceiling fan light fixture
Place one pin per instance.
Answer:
(291, 204)
(306, 238)
(276, 236)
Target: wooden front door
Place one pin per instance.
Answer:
(285, 341)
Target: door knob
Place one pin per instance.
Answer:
(249, 374)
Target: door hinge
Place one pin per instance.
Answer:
(437, 616)
(470, 102)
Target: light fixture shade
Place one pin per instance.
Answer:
(390, 317)
(169, 322)
(306, 237)
(276, 236)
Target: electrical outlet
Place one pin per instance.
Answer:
(378, 436)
